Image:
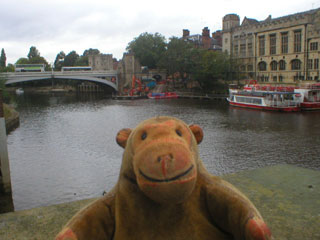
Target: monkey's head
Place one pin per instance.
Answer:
(161, 154)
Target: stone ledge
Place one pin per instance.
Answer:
(288, 197)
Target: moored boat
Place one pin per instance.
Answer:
(310, 95)
(164, 95)
(274, 99)
(19, 91)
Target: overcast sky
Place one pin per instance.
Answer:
(109, 25)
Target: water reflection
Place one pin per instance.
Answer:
(65, 147)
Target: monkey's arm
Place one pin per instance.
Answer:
(96, 221)
(234, 213)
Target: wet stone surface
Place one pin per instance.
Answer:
(288, 198)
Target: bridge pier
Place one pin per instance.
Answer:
(89, 88)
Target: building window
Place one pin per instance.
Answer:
(242, 68)
(316, 63)
(310, 63)
(236, 50)
(226, 40)
(242, 50)
(262, 66)
(297, 41)
(295, 64)
(274, 65)
(282, 65)
(284, 42)
(250, 49)
(261, 46)
(274, 78)
(250, 68)
(280, 78)
(313, 46)
(273, 44)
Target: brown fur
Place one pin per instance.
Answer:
(165, 192)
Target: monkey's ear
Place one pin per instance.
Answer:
(123, 136)
(197, 132)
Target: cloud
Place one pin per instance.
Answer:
(66, 25)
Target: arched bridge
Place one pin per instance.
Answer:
(109, 78)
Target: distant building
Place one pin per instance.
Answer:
(281, 50)
(101, 62)
(204, 40)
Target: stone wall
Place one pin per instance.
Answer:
(101, 62)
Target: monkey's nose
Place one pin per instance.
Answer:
(165, 158)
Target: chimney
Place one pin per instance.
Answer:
(186, 33)
(206, 32)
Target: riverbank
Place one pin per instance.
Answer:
(11, 118)
(287, 196)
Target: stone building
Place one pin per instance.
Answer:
(204, 40)
(101, 62)
(282, 50)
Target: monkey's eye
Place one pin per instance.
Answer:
(179, 133)
(144, 136)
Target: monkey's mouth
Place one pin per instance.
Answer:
(167, 179)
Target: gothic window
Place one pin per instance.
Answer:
(316, 63)
(282, 65)
(296, 64)
(242, 50)
(262, 66)
(310, 63)
(273, 44)
(297, 41)
(236, 50)
(280, 78)
(261, 45)
(284, 42)
(274, 65)
(250, 49)
(313, 46)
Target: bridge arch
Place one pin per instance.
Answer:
(91, 77)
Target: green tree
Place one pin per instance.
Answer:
(211, 68)
(82, 61)
(3, 59)
(58, 63)
(178, 57)
(22, 61)
(148, 48)
(33, 52)
(71, 59)
(91, 51)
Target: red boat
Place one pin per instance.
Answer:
(310, 96)
(164, 95)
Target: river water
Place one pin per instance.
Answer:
(65, 149)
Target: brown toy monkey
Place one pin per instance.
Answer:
(165, 192)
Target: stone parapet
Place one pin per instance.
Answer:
(288, 198)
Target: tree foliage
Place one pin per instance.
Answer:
(178, 57)
(3, 59)
(58, 62)
(148, 48)
(90, 51)
(211, 68)
(71, 59)
(33, 52)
